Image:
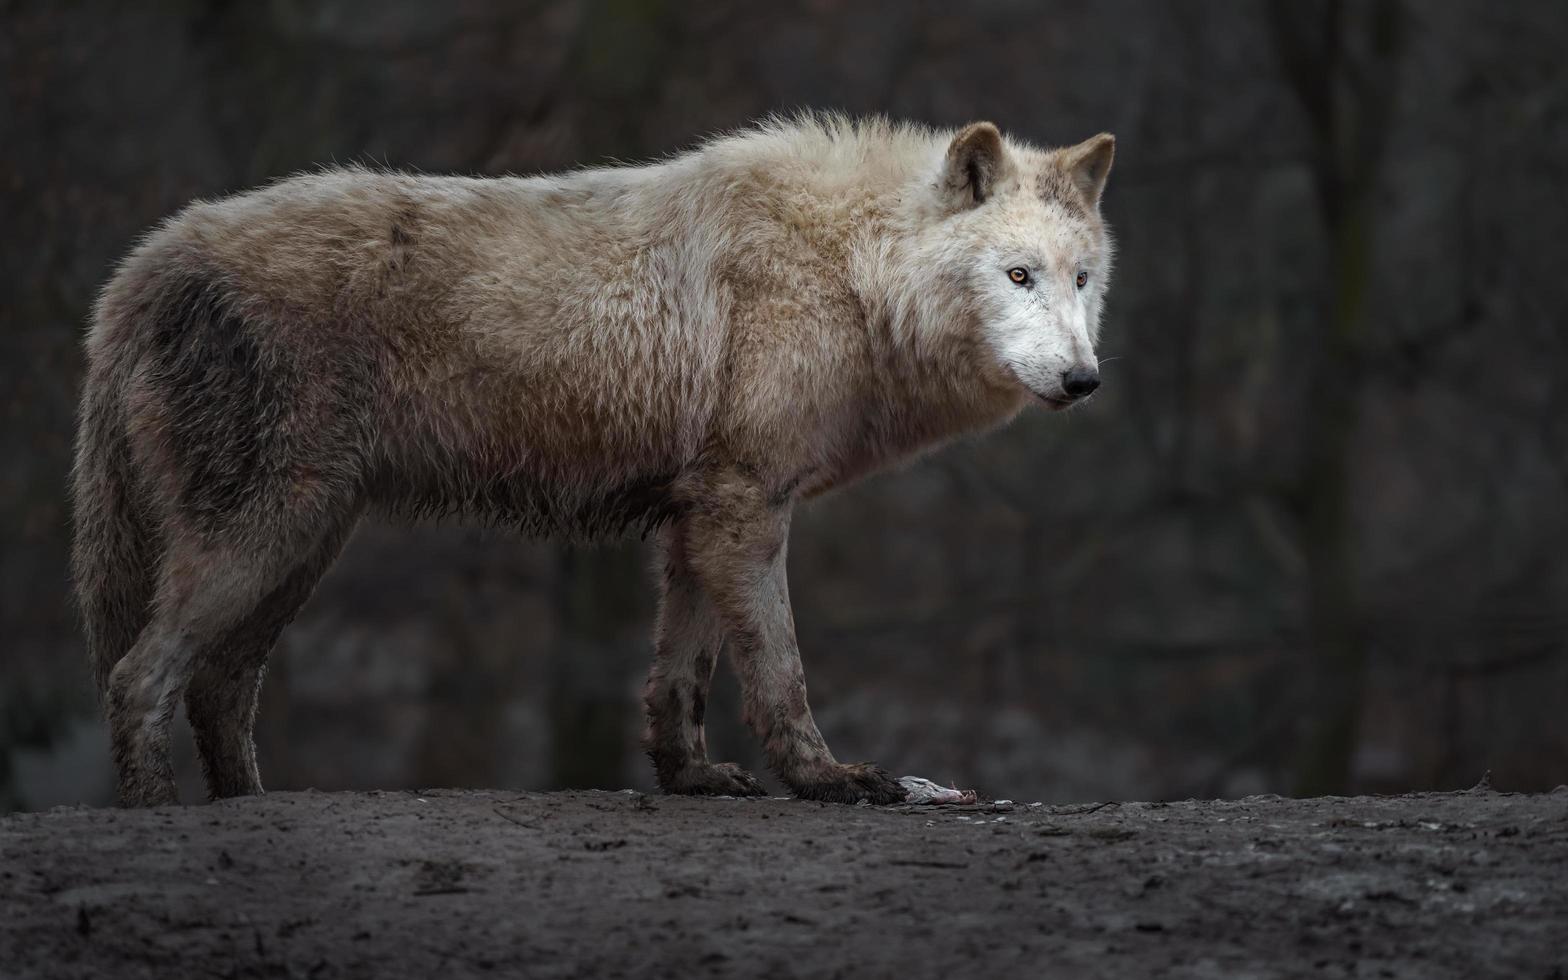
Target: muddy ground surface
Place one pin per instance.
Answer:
(467, 883)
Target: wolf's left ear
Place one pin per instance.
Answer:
(975, 160)
(1088, 164)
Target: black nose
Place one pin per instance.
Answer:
(1080, 381)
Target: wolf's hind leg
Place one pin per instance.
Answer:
(226, 686)
(688, 638)
(141, 696)
(221, 705)
(209, 586)
(202, 593)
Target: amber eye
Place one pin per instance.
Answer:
(1083, 279)
(1019, 276)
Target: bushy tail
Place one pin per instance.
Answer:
(113, 557)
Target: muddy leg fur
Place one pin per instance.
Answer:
(221, 705)
(737, 539)
(206, 592)
(142, 693)
(225, 687)
(687, 641)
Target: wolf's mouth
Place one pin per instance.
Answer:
(1055, 403)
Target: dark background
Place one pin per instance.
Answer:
(1309, 539)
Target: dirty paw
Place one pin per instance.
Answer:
(714, 779)
(853, 783)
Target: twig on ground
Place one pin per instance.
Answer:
(511, 819)
(1083, 810)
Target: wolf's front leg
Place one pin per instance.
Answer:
(687, 641)
(736, 541)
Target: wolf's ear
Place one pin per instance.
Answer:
(975, 161)
(1088, 164)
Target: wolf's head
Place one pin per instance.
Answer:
(1019, 234)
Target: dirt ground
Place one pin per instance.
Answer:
(450, 883)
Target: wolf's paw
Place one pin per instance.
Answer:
(714, 779)
(853, 783)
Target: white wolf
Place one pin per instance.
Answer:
(690, 346)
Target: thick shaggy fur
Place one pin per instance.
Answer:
(689, 346)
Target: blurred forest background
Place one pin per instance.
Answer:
(1310, 538)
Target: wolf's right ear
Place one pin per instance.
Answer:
(975, 160)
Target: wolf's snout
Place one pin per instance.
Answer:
(1080, 382)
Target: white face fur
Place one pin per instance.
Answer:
(1037, 319)
(1026, 238)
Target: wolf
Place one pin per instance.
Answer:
(686, 348)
